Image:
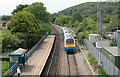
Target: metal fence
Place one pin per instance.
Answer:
(13, 69)
(34, 48)
(108, 66)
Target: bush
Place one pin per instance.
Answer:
(113, 42)
(80, 36)
(93, 61)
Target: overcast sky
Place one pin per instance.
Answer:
(7, 6)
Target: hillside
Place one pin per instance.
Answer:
(89, 9)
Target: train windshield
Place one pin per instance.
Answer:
(69, 41)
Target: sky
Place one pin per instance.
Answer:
(53, 6)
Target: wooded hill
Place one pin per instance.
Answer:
(89, 9)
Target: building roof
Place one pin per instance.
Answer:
(19, 51)
(118, 30)
(94, 35)
(113, 50)
(104, 25)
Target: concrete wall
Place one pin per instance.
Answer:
(108, 66)
(118, 38)
(111, 34)
(103, 43)
(93, 37)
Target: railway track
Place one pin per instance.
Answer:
(51, 67)
(61, 63)
(72, 65)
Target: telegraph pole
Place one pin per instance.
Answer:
(97, 17)
(100, 20)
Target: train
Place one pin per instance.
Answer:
(69, 41)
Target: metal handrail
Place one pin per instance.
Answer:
(10, 70)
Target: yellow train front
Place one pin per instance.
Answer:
(69, 41)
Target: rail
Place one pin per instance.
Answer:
(11, 71)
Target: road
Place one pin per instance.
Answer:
(61, 63)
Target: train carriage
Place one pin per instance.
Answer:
(69, 41)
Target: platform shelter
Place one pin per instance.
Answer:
(19, 56)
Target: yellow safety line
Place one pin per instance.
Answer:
(42, 58)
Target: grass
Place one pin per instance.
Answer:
(94, 63)
(5, 66)
(85, 47)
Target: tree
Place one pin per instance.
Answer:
(53, 17)
(62, 20)
(80, 28)
(89, 23)
(76, 17)
(76, 24)
(81, 36)
(19, 8)
(6, 18)
(114, 25)
(9, 41)
(39, 11)
(23, 22)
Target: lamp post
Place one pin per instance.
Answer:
(25, 34)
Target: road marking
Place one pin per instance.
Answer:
(42, 58)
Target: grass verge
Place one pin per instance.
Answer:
(94, 63)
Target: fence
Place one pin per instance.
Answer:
(108, 66)
(13, 69)
(29, 53)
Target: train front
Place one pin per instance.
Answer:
(70, 45)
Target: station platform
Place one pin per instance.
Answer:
(35, 64)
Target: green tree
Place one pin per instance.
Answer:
(89, 23)
(76, 17)
(80, 28)
(6, 18)
(76, 24)
(114, 25)
(39, 11)
(81, 36)
(53, 17)
(9, 41)
(62, 19)
(19, 8)
(23, 22)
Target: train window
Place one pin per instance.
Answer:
(69, 41)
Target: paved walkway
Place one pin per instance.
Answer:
(36, 62)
